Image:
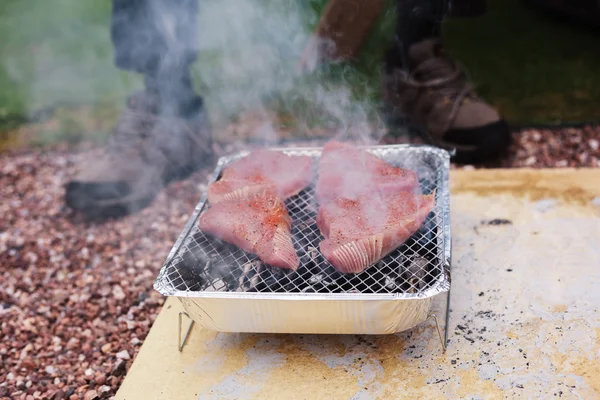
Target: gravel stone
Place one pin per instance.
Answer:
(123, 355)
(106, 348)
(90, 395)
(67, 301)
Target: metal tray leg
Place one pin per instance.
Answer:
(447, 327)
(444, 339)
(180, 343)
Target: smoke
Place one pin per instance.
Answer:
(57, 61)
(250, 63)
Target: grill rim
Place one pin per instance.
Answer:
(440, 285)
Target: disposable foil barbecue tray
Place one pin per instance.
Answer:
(226, 289)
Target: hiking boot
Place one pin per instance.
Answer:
(145, 152)
(432, 91)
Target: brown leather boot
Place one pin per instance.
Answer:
(145, 152)
(434, 92)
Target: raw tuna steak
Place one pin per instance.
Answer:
(258, 224)
(260, 170)
(360, 232)
(347, 171)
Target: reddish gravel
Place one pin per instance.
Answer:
(76, 298)
(562, 148)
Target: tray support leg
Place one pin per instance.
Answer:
(180, 343)
(444, 338)
(437, 327)
(447, 327)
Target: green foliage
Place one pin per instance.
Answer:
(534, 67)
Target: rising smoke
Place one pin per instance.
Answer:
(248, 63)
(250, 53)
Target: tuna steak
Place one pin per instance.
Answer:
(258, 224)
(347, 171)
(360, 232)
(260, 170)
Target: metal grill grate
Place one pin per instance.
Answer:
(202, 263)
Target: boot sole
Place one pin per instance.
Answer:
(498, 135)
(101, 210)
(95, 208)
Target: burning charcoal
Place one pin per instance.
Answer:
(188, 276)
(315, 279)
(271, 280)
(312, 252)
(328, 283)
(415, 273)
(375, 283)
(219, 286)
(307, 262)
(306, 237)
(309, 208)
(388, 268)
(425, 238)
(321, 279)
(298, 204)
(277, 273)
(299, 279)
(408, 248)
(191, 259)
(318, 287)
(254, 281)
(195, 254)
(191, 270)
(426, 184)
(308, 289)
(249, 270)
(216, 270)
(390, 283)
(312, 222)
(373, 277)
(358, 283)
(329, 272)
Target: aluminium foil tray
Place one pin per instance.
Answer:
(226, 289)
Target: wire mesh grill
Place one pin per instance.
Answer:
(203, 263)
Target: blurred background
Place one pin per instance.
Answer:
(58, 81)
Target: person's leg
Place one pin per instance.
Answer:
(162, 134)
(424, 84)
(466, 8)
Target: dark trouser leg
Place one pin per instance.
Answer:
(162, 134)
(422, 19)
(466, 8)
(418, 20)
(157, 38)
